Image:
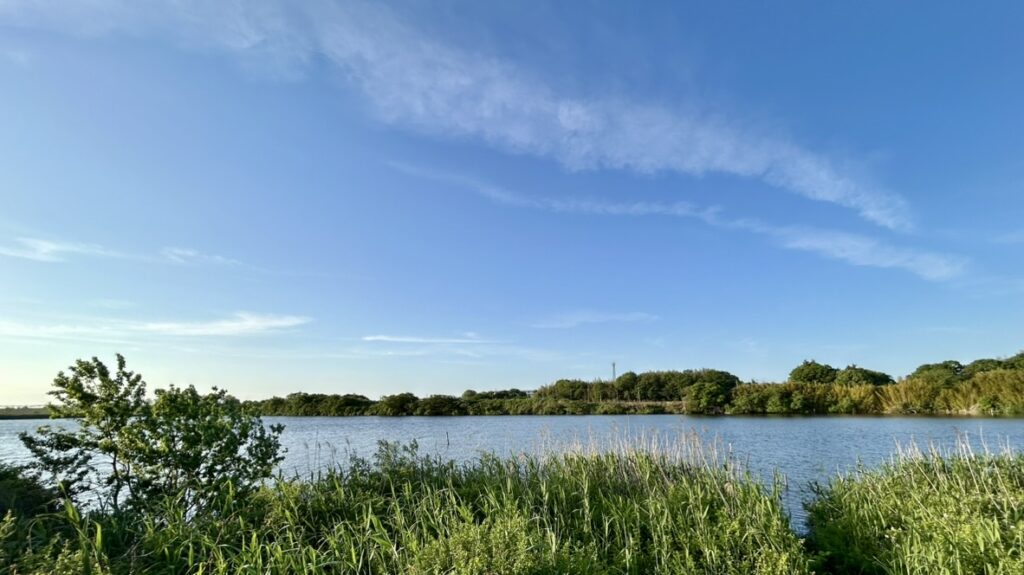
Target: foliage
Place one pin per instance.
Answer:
(399, 404)
(925, 513)
(105, 405)
(852, 376)
(471, 395)
(23, 494)
(197, 447)
(439, 405)
(183, 444)
(813, 372)
(944, 374)
(622, 511)
(982, 387)
(310, 404)
(580, 512)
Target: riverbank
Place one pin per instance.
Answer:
(24, 413)
(686, 510)
(754, 399)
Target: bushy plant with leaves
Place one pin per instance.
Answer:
(128, 451)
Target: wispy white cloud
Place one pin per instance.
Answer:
(113, 330)
(865, 251)
(583, 317)
(470, 346)
(191, 256)
(561, 205)
(851, 248)
(241, 323)
(416, 339)
(53, 251)
(427, 85)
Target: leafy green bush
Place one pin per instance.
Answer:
(129, 452)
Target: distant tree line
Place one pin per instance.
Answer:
(982, 387)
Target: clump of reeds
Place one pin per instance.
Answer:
(617, 509)
(927, 511)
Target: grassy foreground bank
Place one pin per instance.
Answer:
(622, 512)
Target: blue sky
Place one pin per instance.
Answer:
(359, 197)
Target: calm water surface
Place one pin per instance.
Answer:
(802, 449)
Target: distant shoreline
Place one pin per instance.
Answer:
(24, 413)
(43, 417)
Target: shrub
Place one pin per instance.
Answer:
(198, 448)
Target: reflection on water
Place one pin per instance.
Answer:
(803, 449)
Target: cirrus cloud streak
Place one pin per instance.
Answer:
(426, 85)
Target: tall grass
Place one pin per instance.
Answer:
(925, 512)
(628, 511)
(651, 508)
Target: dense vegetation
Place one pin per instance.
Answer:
(182, 485)
(628, 512)
(931, 513)
(982, 387)
(22, 412)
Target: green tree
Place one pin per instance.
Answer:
(1015, 362)
(981, 366)
(943, 374)
(198, 447)
(393, 405)
(439, 405)
(625, 386)
(104, 405)
(654, 386)
(708, 390)
(852, 376)
(574, 389)
(813, 372)
(184, 444)
(706, 397)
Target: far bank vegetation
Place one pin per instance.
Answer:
(988, 387)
